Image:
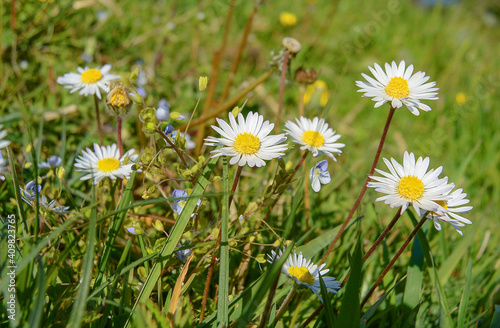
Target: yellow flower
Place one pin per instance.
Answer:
(288, 19)
(460, 98)
(319, 86)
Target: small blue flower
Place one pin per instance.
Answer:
(52, 161)
(169, 129)
(180, 201)
(183, 254)
(30, 190)
(319, 175)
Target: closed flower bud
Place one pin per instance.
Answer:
(118, 100)
(203, 82)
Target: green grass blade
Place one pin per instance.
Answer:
(223, 306)
(495, 321)
(464, 302)
(115, 229)
(413, 286)
(175, 236)
(349, 314)
(328, 308)
(452, 261)
(374, 307)
(250, 306)
(37, 309)
(75, 319)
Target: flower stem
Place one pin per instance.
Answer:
(98, 118)
(362, 193)
(383, 234)
(235, 184)
(282, 89)
(174, 147)
(285, 303)
(394, 259)
(119, 134)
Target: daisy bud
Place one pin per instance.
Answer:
(118, 100)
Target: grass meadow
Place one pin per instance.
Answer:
(179, 238)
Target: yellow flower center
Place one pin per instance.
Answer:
(313, 138)
(442, 203)
(302, 274)
(117, 98)
(411, 187)
(91, 75)
(108, 164)
(246, 143)
(397, 88)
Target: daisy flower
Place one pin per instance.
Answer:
(315, 136)
(411, 183)
(88, 80)
(453, 206)
(248, 141)
(319, 175)
(104, 162)
(305, 273)
(398, 86)
(3, 134)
